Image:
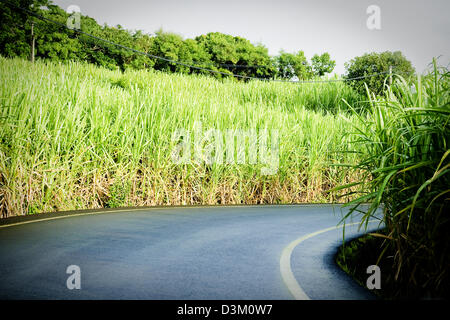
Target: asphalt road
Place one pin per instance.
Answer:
(181, 253)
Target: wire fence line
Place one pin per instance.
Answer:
(191, 64)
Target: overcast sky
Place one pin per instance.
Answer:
(420, 29)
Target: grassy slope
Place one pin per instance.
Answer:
(406, 137)
(76, 136)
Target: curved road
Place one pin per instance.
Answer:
(230, 252)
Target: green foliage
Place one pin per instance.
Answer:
(226, 50)
(406, 137)
(293, 65)
(322, 64)
(53, 42)
(354, 256)
(118, 195)
(121, 82)
(144, 43)
(222, 53)
(372, 63)
(169, 46)
(15, 28)
(67, 137)
(193, 53)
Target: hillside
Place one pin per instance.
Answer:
(77, 136)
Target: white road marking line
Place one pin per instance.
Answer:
(67, 216)
(285, 262)
(148, 208)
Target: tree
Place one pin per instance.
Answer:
(15, 26)
(53, 42)
(236, 55)
(169, 46)
(92, 50)
(220, 46)
(216, 51)
(373, 63)
(143, 42)
(253, 60)
(122, 57)
(192, 53)
(322, 64)
(291, 65)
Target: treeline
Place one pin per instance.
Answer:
(217, 51)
